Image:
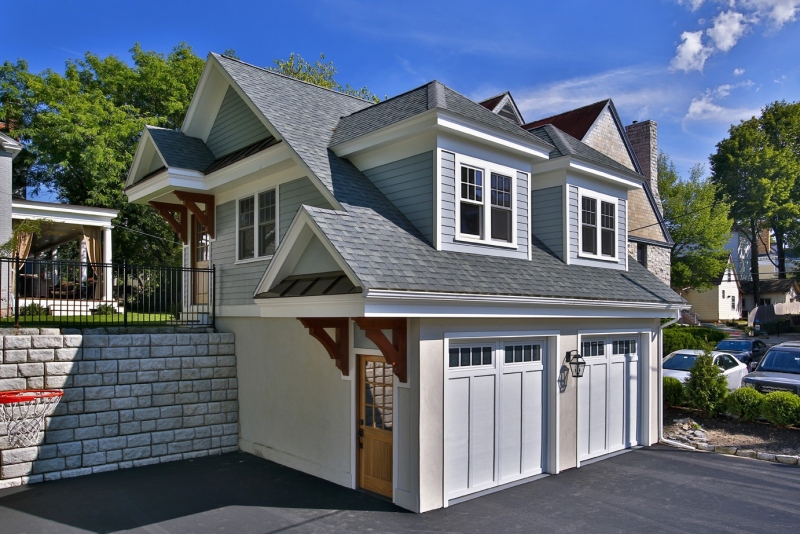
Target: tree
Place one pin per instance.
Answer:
(318, 73)
(698, 223)
(81, 130)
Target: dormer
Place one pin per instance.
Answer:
(504, 106)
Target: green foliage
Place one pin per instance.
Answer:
(745, 403)
(105, 309)
(673, 392)
(26, 226)
(690, 337)
(707, 386)
(33, 310)
(698, 223)
(781, 408)
(319, 73)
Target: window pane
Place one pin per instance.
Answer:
(501, 224)
(266, 239)
(608, 235)
(526, 353)
(537, 353)
(471, 219)
(607, 219)
(487, 356)
(471, 184)
(501, 190)
(509, 354)
(476, 356)
(246, 241)
(589, 211)
(465, 357)
(453, 357)
(246, 230)
(588, 239)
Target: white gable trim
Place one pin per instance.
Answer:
(137, 158)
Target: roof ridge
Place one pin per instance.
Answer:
(264, 69)
(378, 104)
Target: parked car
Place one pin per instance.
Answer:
(679, 363)
(747, 351)
(779, 370)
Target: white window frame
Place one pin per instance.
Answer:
(255, 195)
(599, 198)
(487, 168)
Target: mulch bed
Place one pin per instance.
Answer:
(729, 432)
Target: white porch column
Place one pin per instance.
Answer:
(107, 259)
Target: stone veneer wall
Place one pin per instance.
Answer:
(658, 261)
(131, 398)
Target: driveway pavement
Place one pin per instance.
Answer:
(655, 489)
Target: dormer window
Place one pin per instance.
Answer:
(486, 207)
(256, 225)
(598, 226)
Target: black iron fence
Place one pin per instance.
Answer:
(37, 292)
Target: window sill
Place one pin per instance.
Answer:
(608, 259)
(253, 260)
(476, 241)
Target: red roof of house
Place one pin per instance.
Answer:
(575, 122)
(491, 103)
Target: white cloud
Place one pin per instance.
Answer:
(738, 72)
(706, 107)
(691, 54)
(779, 12)
(694, 5)
(728, 28)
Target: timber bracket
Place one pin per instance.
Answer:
(339, 348)
(180, 224)
(394, 351)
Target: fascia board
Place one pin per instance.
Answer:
(629, 181)
(166, 182)
(388, 134)
(462, 126)
(301, 222)
(382, 303)
(330, 306)
(79, 215)
(332, 200)
(260, 160)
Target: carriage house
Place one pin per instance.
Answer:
(408, 282)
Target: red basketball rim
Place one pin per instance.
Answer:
(27, 395)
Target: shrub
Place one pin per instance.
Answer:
(707, 386)
(673, 392)
(690, 337)
(781, 408)
(33, 310)
(105, 309)
(745, 403)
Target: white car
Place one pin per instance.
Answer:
(679, 363)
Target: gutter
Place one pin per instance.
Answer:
(661, 438)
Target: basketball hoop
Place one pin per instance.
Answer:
(23, 412)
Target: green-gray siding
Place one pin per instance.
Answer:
(235, 127)
(547, 218)
(408, 184)
(448, 237)
(294, 194)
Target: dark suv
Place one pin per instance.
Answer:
(747, 351)
(778, 370)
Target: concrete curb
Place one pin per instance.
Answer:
(742, 453)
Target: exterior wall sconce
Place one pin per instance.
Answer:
(576, 363)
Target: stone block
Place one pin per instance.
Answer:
(147, 376)
(225, 372)
(44, 466)
(125, 416)
(172, 363)
(149, 425)
(786, 459)
(70, 449)
(171, 411)
(127, 378)
(65, 421)
(169, 375)
(122, 391)
(170, 423)
(226, 338)
(184, 350)
(746, 454)
(61, 409)
(114, 456)
(219, 395)
(95, 341)
(233, 394)
(90, 445)
(166, 436)
(126, 366)
(159, 449)
(226, 361)
(34, 382)
(89, 432)
(72, 473)
(765, 456)
(72, 462)
(16, 342)
(86, 368)
(195, 454)
(153, 364)
(163, 400)
(219, 383)
(202, 432)
(124, 403)
(15, 356)
(82, 380)
(133, 427)
(47, 342)
(109, 444)
(161, 351)
(165, 387)
(74, 407)
(138, 352)
(201, 385)
(100, 405)
(123, 340)
(162, 339)
(226, 350)
(230, 406)
(198, 339)
(144, 402)
(48, 477)
(136, 453)
(725, 450)
(176, 447)
(193, 420)
(207, 373)
(105, 468)
(72, 394)
(73, 340)
(195, 409)
(201, 350)
(110, 430)
(216, 443)
(96, 458)
(205, 361)
(106, 366)
(59, 368)
(139, 440)
(140, 414)
(8, 371)
(204, 396)
(92, 353)
(140, 340)
(125, 465)
(58, 382)
(233, 383)
(170, 458)
(115, 353)
(88, 419)
(230, 441)
(18, 456)
(183, 339)
(30, 369)
(185, 434)
(190, 374)
(185, 386)
(145, 461)
(102, 392)
(110, 379)
(69, 354)
(19, 470)
(214, 419)
(186, 398)
(59, 436)
(230, 428)
(213, 338)
(139, 390)
(214, 407)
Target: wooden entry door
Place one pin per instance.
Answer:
(199, 252)
(375, 424)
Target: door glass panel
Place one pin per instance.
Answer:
(378, 395)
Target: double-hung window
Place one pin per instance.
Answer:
(485, 203)
(257, 226)
(598, 226)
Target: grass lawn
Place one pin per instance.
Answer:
(77, 321)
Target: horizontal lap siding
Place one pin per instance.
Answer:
(235, 127)
(622, 234)
(574, 228)
(448, 215)
(293, 195)
(573, 222)
(547, 218)
(408, 184)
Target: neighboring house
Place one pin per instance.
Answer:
(772, 291)
(9, 148)
(447, 261)
(635, 147)
(722, 302)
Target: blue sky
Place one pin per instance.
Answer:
(693, 66)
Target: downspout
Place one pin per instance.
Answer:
(661, 438)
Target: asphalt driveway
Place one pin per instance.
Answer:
(655, 489)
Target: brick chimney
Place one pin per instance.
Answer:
(644, 140)
(764, 241)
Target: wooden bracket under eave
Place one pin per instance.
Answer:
(206, 215)
(180, 225)
(338, 349)
(394, 351)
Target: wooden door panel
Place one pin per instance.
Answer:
(375, 424)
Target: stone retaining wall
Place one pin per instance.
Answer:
(130, 399)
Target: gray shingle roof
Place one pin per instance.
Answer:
(566, 145)
(180, 150)
(430, 96)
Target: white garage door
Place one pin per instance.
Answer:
(608, 396)
(494, 406)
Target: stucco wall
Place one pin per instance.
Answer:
(130, 399)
